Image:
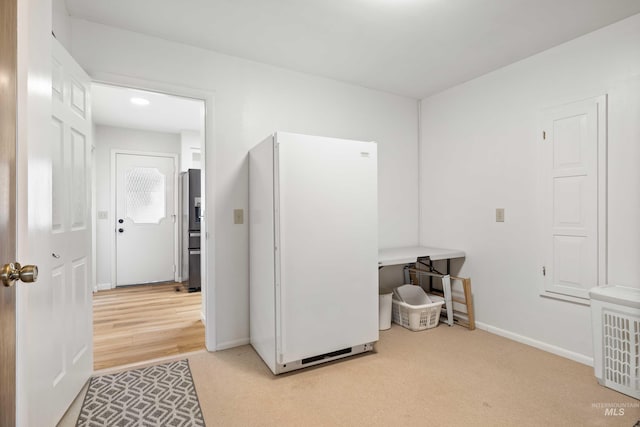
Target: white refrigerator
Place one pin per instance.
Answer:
(313, 215)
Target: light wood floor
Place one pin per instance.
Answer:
(137, 323)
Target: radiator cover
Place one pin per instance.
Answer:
(615, 312)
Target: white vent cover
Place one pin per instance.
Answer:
(615, 312)
(620, 341)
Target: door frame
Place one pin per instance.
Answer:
(8, 211)
(113, 206)
(207, 159)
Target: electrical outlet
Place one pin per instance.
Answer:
(499, 214)
(238, 216)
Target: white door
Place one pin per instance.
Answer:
(145, 218)
(574, 155)
(55, 320)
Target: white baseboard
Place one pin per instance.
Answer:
(202, 318)
(559, 351)
(231, 344)
(103, 286)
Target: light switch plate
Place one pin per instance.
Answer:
(499, 214)
(238, 216)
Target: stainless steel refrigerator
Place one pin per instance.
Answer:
(313, 236)
(191, 205)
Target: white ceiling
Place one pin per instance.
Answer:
(111, 106)
(409, 47)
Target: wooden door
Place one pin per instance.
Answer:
(8, 70)
(574, 155)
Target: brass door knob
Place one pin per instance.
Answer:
(14, 271)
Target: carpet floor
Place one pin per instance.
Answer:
(447, 376)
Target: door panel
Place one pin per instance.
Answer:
(58, 167)
(8, 98)
(56, 303)
(80, 293)
(79, 173)
(572, 176)
(68, 288)
(145, 215)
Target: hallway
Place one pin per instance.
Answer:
(137, 323)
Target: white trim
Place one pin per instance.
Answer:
(563, 297)
(93, 213)
(208, 184)
(203, 318)
(419, 172)
(104, 286)
(558, 351)
(234, 343)
(113, 206)
(603, 105)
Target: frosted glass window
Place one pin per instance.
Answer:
(146, 195)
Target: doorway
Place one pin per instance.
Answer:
(146, 223)
(144, 142)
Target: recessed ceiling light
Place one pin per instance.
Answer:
(139, 101)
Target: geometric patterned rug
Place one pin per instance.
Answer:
(160, 395)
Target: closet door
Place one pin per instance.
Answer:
(574, 156)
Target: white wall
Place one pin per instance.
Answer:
(251, 101)
(479, 152)
(107, 138)
(190, 140)
(61, 23)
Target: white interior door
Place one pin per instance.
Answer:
(70, 289)
(145, 218)
(55, 328)
(575, 159)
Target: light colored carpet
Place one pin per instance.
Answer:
(447, 376)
